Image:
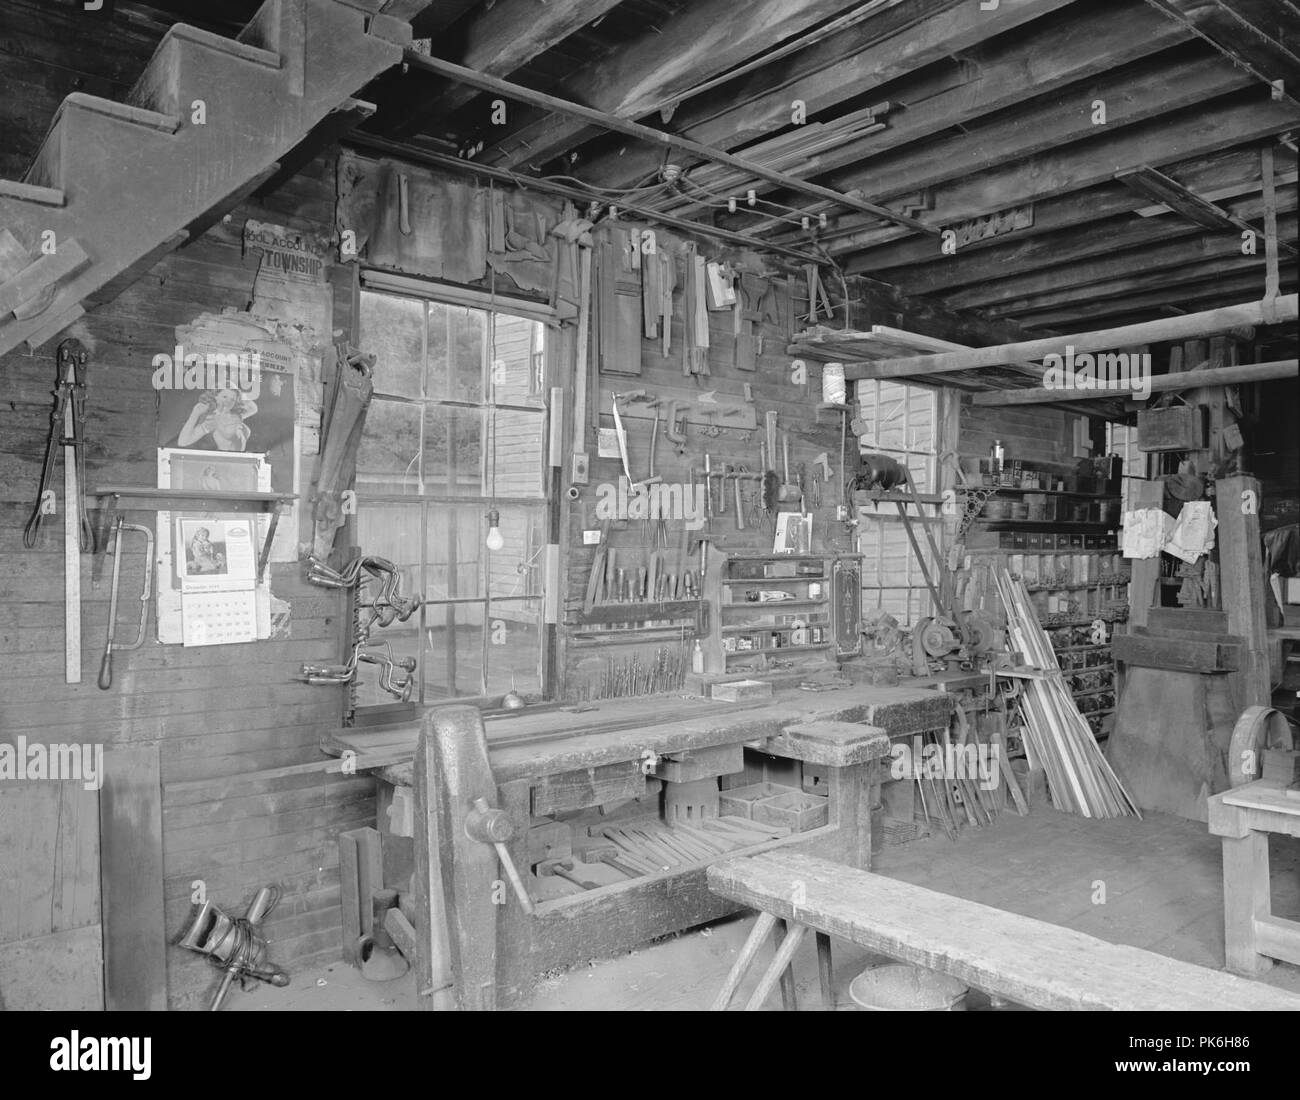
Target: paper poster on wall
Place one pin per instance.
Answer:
(293, 299)
(251, 411)
(218, 618)
(207, 561)
(215, 555)
(231, 386)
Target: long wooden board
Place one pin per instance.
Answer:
(1028, 961)
(131, 881)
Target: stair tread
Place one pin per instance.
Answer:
(29, 192)
(253, 54)
(142, 116)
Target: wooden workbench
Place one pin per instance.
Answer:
(844, 732)
(1243, 817)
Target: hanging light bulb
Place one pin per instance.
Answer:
(494, 540)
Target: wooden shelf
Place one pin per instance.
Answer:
(639, 611)
(776, 649)
(1046, 524)
(146, 499)
(177, 500)
(1047, 492)
(761, 628)
(773, 603)
(773, 582)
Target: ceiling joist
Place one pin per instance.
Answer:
(599, 118)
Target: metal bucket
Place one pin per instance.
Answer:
(898, 987)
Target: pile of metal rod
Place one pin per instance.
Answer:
(635, 675)
(648, 848)
(1057, 737)
(950, 798)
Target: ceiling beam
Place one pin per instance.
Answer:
(1174, 138)
(1053, 125)
(600, 118)
(1279, 311)
(506, 37)
(706, 39)
(1239, 36)
(1176, 263)
(896, 248)
(437, 17)
(892, 45)
(1164, 84)
(1161, 383)
(1235, 288)
(1191, 250)
(1197, 301)
(1052, 250)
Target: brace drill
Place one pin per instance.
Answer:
(385, 608)
(71, 383)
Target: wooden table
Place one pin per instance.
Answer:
(1244, 817)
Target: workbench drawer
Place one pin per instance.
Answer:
(577, 790)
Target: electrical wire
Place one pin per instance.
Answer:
(656, 186)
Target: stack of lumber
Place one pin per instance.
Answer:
(1057, 736)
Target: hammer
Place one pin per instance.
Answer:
(563, 868)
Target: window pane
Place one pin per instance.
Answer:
(388, 460)
(518, 468)
(393, 531)
(455, 552)
(516, 569)
(517, 346)
(453, 457)
(392, 329)
(514, 648)
(457, 350)
(453, 652)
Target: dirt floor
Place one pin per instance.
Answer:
(1154, 884)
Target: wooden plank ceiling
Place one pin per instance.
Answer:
(1040, 132)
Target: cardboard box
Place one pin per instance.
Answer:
(737, 690)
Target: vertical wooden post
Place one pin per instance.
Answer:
(850, 794)
(1241, 580)
(1245, 897)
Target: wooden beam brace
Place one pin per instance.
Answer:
(1221, 376)
(1158, 187)
(1148, 332)
(1271, 277)
(607, 121)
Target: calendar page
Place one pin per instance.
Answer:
(218, 618)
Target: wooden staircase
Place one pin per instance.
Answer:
(116, 186)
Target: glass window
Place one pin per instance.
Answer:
(456, 428)
(902, 422)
